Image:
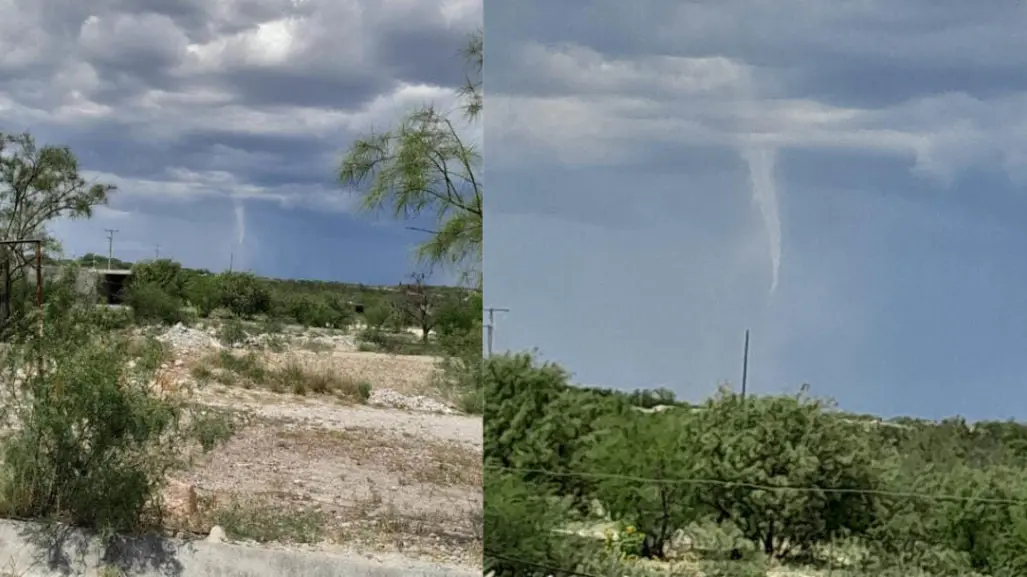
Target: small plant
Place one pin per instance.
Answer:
(212, 428)
(363, 391)
(232, 332)
(263, 523)
(149, 353)
(151, 304)
(202, 373)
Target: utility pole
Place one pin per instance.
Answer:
(490, 328)
(110, 245)
(745, 364)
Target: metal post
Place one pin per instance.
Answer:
(745, 364)
(110, 246)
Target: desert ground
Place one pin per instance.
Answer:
(322, 446)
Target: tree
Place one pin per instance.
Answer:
(784, 442)
(424, 166)
(164, 273)
(417, 305)
(656, 446)
(37, 185)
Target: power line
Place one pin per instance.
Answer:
(759, 487)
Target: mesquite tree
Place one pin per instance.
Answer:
(37, 185)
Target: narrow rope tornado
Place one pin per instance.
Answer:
(761, 161)
(240, 221)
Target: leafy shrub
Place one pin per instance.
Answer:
(165, 274)
(93, 444)
(232, 332)
(202, 292)
(150, 303)
(244, 294)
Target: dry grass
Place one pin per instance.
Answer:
(413, 461)
(290, 375)
(265, 521)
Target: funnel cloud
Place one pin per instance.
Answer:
(761, 162)
(240, 221)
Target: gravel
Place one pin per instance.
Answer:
(186, 338)
(397, 400)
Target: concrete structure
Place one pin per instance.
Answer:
(33, 550)
(103, 284)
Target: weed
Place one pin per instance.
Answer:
(202, 373)
(248, 366)
(232, 332)
(148, 352)
(264, 523)
(211, 428)
(316, 346)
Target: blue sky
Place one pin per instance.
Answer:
(845, 179)
(222, 122)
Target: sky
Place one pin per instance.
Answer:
(846, 179)
(222, 122)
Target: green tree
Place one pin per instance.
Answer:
(424, 166)
(520, 393)
(787, 442)
(37, 185)
(655, 446)
(520, 522)
(164, 273)
(417, 305)
(243, 293)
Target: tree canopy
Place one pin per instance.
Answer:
(426, 167)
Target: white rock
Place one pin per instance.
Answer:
(217, 534)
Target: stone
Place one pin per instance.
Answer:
(217, 534)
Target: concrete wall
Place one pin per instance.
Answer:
(33, 550)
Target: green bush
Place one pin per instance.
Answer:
(232, 332)
(459, 339)
(94, 444)
(165, 274)
(244, 294)
(321, 310)
(203, 292)
(150, 303)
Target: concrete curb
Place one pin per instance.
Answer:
(34, 550)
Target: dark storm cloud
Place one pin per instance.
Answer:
(850, 53)
(221, 102)
(306, 87)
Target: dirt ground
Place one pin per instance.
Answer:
(324, 472)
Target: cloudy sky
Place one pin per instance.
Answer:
(221, 121)
(844, 178)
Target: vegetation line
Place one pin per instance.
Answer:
(759, 487)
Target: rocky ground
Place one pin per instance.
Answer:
(397, 473)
